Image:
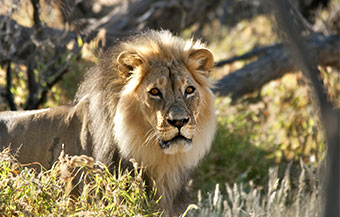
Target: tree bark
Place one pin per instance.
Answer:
(8, 95)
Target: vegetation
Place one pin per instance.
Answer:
(26, 192)
(280, 198)
(75, 186)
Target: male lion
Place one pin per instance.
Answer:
(148, 98)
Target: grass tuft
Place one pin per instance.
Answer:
(75, 186)
(280, 198)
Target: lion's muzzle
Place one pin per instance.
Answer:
(179, 138)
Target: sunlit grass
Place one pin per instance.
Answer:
(280, 198)
(97, 192)
(75, 186)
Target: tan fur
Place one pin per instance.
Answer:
(115, 113)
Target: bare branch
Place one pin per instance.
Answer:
(57, 76)
(126, 18)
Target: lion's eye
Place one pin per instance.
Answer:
(155, 92)
(189, 90)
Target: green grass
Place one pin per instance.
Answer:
(232, 159)
(26, 192)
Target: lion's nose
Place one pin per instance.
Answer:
(178, 123)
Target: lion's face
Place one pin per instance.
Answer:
(166, 105)
(170, 102)
(169, 96)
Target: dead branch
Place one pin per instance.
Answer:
(258, 51)
(57, 76)
(273, 63)
(36, 16)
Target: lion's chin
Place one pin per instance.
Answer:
(176, 145)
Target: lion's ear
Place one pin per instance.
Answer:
(127, 62)
(201, 60)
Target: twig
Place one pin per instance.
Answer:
(304, 22)
(43, 96)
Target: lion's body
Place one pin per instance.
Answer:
(37, 136)
(148, 98)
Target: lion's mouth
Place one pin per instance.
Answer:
(176, 139)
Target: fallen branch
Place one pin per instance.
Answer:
(259, 51)
(273, 63)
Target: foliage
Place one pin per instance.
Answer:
(97, 192)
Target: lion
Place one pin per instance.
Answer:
(148, 98)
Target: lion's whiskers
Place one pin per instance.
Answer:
(151, 134)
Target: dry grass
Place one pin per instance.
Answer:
(26, 192)
(282, 198)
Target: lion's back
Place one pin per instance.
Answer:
(38, 135)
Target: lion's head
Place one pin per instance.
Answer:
(152, 95)
(166, 104)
